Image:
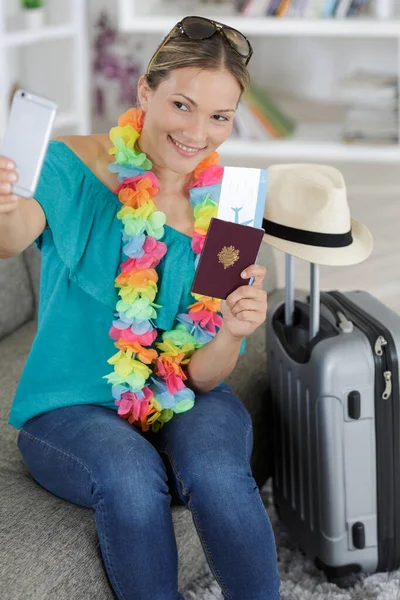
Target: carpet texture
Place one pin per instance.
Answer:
(300, 579)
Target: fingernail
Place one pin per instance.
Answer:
(244, 274)
(10, 165)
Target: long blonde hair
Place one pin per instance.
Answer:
(213, 53)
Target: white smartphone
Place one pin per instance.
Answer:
(26, 138)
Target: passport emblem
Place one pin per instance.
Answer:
(228, 256)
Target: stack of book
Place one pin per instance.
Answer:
(258, 118)
(310, 9)
(372, 116)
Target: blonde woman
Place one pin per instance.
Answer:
(124, 381)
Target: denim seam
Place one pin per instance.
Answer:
(102, 512)
(108, 555)
(197, 525)
(40, 441)
(248, 449)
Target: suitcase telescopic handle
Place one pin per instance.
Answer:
(314, 295)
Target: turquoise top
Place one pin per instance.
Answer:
(81, 256)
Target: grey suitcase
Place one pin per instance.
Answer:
(334, 382)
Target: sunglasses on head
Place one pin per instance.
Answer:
(201, 28)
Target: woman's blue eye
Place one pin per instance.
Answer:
(180, 105)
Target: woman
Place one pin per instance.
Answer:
(167, 410)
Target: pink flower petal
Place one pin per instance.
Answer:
(125, 405)
(130, 182)
(145, 339)
(198, 242)
(210, 176)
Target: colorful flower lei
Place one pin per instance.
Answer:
(148, 383)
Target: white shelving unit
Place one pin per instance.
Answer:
(58, 72)
(153, 18)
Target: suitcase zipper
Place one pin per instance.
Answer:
(381, 343)
(387, 429)
(345, 325)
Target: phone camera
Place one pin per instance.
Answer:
(23, 94)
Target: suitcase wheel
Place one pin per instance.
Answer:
(344, 577)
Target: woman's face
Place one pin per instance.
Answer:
(188, 116)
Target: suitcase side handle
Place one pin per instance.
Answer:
(314, 295)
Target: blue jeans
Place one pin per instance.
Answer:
(90, 456)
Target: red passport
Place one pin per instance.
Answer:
(228, 249)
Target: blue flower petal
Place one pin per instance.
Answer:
(119, 324)
(198, 194)
(125, 171)
(118, 390)
(134, 247)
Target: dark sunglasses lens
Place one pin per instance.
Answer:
(238, 41)
(198, 28)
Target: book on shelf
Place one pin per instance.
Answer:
(310, 9)
(258, 118)
(372, 115)
(252, 8)
(370, 139)
(370, 91)
(341, 9)
(370, 124)
(365, 86)
(328, 8)
(247, 126)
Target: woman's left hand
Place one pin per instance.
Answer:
(245, 309)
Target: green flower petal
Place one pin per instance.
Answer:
(133, 225)
(183, 406)
(135, 381)
(156, 426)
(207, 202)
(166, 415)
(125, 155)
(122, 306)
(155, 223)
(178, 336)
(114, 378)
(141, 309)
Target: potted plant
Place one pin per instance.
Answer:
(33, 13)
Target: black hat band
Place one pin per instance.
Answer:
(308, 238)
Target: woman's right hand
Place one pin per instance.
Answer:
(9, 202)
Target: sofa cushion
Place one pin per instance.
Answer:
(16, 295)
(48, 546)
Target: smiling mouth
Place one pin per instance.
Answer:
(184, 148)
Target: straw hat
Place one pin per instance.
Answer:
(307, 215)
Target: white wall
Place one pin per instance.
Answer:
(306, 67)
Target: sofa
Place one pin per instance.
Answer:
(48, 546)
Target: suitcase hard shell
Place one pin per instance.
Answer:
(336, 423)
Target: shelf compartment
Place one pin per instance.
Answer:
(303, 151)
(25, 37)
(364, 28)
